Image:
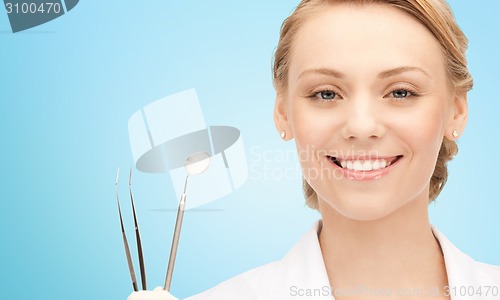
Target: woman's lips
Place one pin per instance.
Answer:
(361, 168)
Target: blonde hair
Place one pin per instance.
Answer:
(437, 16)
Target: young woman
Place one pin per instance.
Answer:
(374, 93)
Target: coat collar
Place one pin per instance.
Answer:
(304, 269)
(466, 275)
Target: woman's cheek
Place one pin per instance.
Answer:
(426, 134)
(313, 127)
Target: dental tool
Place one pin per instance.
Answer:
(137, 236)
(195, 164)
(124, 236)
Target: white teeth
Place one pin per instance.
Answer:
(383, 164)
(364, 165)
(367, 165)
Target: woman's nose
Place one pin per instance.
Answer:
(363, 119)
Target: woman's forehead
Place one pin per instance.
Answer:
(364, 39)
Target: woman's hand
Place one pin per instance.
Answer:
(157, 294)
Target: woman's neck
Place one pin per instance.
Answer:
(396, 252)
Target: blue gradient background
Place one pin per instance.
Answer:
(67, 89)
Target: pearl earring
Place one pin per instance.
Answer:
(282, 134)
(455, 133)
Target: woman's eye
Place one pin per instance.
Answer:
(326, 95)
(401, 94)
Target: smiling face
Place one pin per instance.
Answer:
(368, 101)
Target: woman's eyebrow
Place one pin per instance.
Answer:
(323, 71)
(399, 70)
(382, 75)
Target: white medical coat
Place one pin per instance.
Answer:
(301, 274)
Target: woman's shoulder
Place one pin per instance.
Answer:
(462, 269)
(489, 270)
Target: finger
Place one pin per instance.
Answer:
(141, 295)
(134, 296)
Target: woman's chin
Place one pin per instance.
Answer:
(363, 215)
(359, 210)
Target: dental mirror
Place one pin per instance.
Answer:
(195, 164)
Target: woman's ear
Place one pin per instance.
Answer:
(281, 119)
(460, 114)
